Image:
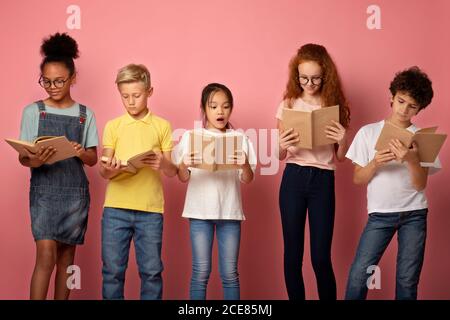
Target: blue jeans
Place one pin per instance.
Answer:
(411, 228)
(228, 238)
(119, 227)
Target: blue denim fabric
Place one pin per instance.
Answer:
(228, 239)
(411, 228)
(59, 193)
(119, 227)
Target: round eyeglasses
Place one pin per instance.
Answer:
(46, 83)
(304, 80)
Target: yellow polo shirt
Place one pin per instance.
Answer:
(141, 191)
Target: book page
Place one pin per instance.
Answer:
(427, 130)
(300, 121)
(204, 145)
(20, 146)
(227, 146)
(390, 132)
(64, 148)
(136, 161)
(123, 165)
(321, 118)
(429, 145)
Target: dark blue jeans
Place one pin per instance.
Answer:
(411, 228)
(308, 189)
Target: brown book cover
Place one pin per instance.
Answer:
(428, 141)
(133, 164)
(215, 150)
(310, 125)
(64, 149)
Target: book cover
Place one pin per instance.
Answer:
(64, 149)
(310, 125)
(133, 164)
(216, 150)
(428, 141)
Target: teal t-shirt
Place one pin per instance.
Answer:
(30, 123)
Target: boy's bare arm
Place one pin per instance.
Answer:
(363, 175)
(167, 166)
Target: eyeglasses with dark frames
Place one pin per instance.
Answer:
(46, 83)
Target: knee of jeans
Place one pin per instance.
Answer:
(114, 271)
(231, 278)
(407, 280)
(150, 270)
(358, 273)
(201, 271)
(113, 266)
(229, 274)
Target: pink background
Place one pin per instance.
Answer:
(245, 45)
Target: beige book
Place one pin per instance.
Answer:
(215, 150)
(428, 141)
(310, 125)
(64, 149)
(133, 164)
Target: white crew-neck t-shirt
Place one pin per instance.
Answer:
(390, 189)
(214, 195)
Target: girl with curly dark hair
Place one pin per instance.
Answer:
(59, 192)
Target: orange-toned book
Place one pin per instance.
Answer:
(64, 149)
(133, 164)
(215, 150)
(310, 125)
(428, 141)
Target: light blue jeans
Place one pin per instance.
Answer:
(119, 227)
(228, 239)
(411, 228)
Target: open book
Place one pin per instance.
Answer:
(133, 164)
(64, 149)
(216, 150)
(428, 141)
(310, 125)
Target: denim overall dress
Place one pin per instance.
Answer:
(59, 193)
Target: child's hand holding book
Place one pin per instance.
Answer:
(336, 132)
(239, 158)
(40, 157)
(155, 161)
(404, 154)
(78, 148)
(112, 166)
(288, 138)
(192, 159)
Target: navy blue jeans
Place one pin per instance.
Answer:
(119, 227)
(411, 228)
(308, 189)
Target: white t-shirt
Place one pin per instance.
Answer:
(390, 189)
(214, 195)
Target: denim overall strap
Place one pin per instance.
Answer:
(83, 114)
